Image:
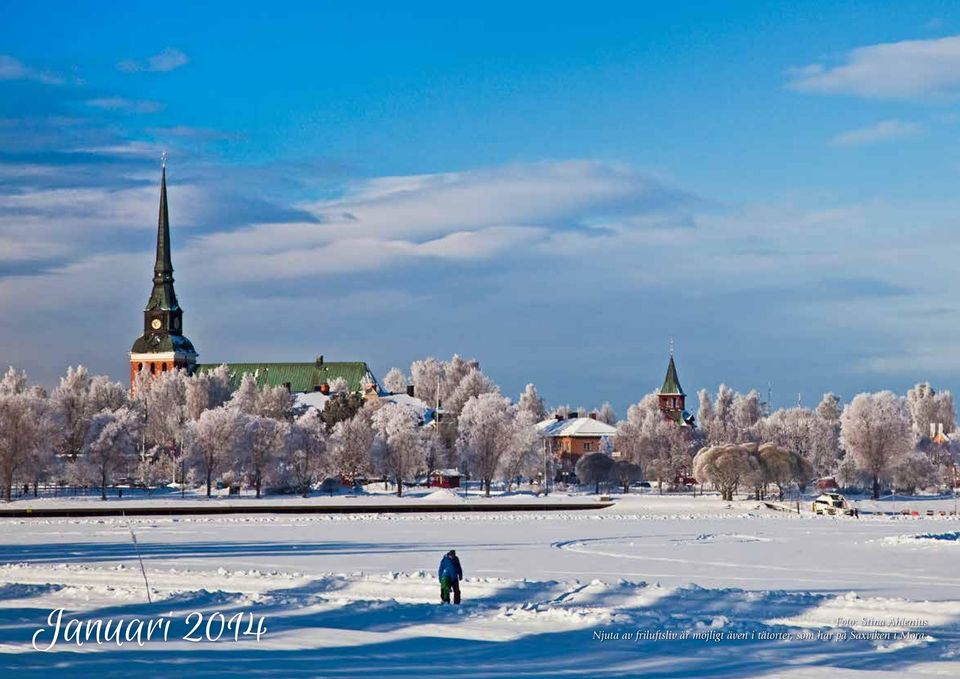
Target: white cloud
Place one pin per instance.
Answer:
(885, 130)
(165, 60)
(896, 70)
(123, 104)
(14, 69)
(470, 215)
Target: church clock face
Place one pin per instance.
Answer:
(155, 324)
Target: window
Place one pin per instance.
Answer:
(153, 368)
(587, 446)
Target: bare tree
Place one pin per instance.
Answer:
(876, 430)
(914, 471)
(626, 472)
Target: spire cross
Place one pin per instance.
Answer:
(671, 346)
(163, 159)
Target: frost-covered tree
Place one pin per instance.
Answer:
(915, 472)
(244, 399)
(305, 451)
(594, 468)
(531, 402)
(351, 443)
(486, 434)
(928, 407)
(829, 408)
(76, 400)
(606, 414)
(206, 390)
(804, 432)
(275, 402)
(339, 385)
(876, 430)
(396, 382)
(110, 447)
(212, 442)
(473, 384)
(164, 402)
(655, 442)
(723, 466)
(400, 450)
(522, 456)
(262, 447)
(427, 375)
(705, 411)
(782, 468)
(26, 431)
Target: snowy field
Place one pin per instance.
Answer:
(732, 590)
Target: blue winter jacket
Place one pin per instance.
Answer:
(450, 567)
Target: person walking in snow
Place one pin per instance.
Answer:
(450, 574)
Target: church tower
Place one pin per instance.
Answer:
(671, 398)
(162, 346)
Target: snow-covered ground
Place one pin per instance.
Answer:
(737, 590)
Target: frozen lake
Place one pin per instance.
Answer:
(357, 596)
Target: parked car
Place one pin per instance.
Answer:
(832, 504)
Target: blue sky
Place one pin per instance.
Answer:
(553, 188)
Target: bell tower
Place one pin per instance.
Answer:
(671, 398)
(162, 346)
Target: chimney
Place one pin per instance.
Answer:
(573, 415)
(319, 362)
(558, 417)
(593, 416)
(409, 390)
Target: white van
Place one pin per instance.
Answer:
(832, 504)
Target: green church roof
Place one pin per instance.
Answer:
(671, 383)
(302, 377)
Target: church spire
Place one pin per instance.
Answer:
(163, 296)
(162, 346)
(163, 264)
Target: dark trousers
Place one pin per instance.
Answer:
(446, 584)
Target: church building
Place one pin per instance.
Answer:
(163, 346)
(672, 400)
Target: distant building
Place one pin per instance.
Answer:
(568, 438)
(163, 346)
(672, 400)
(302, 378)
